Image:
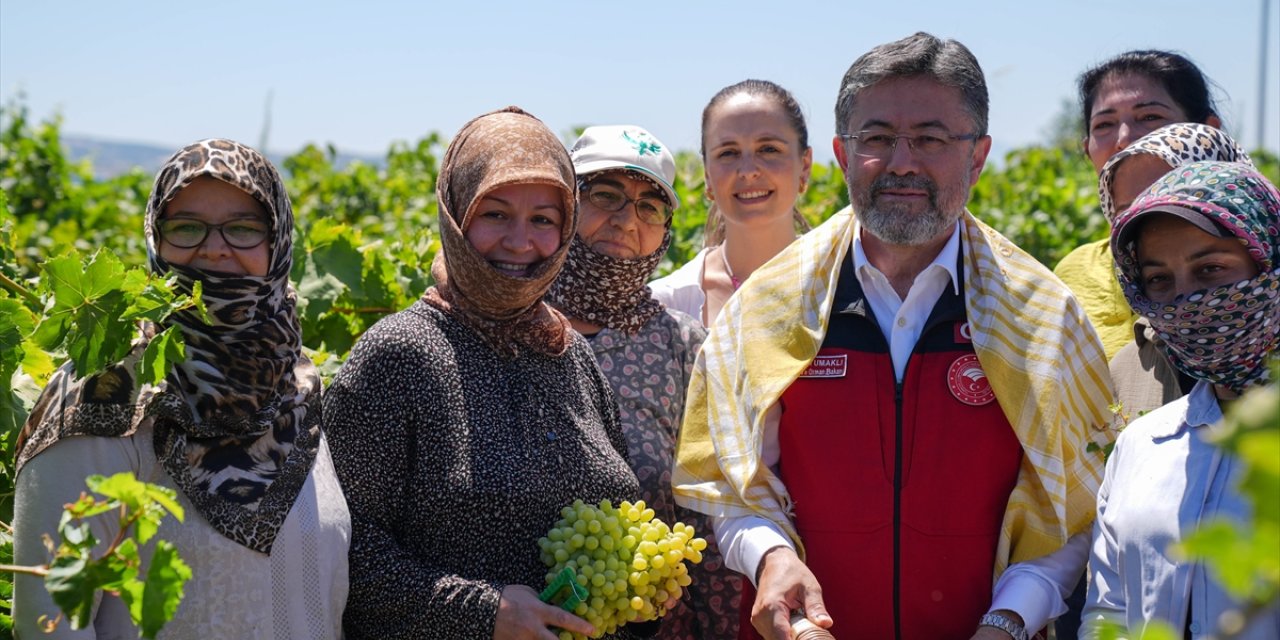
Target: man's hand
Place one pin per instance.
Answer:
(522, 616)
(785, 584)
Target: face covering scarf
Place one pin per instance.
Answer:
(607, 291)
(1220, 335)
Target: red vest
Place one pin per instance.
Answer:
(899, 490)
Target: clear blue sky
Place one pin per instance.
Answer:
(362, 74)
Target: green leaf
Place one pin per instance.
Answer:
(166, 498)
(166, 577)
(317, 291)
(151, 298)
(71, 584)
(16, 322)
(197, 298)
(333, 250)
(87, 318)
(165, 350)
(75, 537)
(36, 362)
(122, 487)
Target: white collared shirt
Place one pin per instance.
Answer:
(902, 321)
(1167, 476)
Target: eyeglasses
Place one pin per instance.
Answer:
(882, 145)
(189, 233)
(649, 210)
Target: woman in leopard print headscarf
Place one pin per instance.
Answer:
(235, 427)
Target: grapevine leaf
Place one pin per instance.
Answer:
(165, 350)
(14, 409)
(334, 252)
(1230, 555)
(152, 298)
(197, 296)
(335, 333)
(87, 316)
(317, 290)
(36, 362)
(379, 283)
(122, 487)
(167, 498)
(76, 537)
(15, 323)
(124, 563)
(87, 507)
(166, 577)
(71, 583)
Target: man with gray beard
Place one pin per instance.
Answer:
(899, 407)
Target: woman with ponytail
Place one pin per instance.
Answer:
(755, 149)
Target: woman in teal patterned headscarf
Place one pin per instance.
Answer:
(1219, 334)
(1198, 255)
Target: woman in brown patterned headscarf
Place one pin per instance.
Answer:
(234, 428)
(462, 425)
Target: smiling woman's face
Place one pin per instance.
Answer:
(517, 226)
(214, 202)
(754, 163)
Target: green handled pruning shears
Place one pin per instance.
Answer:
(566, 579)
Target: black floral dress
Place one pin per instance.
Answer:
(454, 461)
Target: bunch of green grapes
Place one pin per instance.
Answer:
(630, 562)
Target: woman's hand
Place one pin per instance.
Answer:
(522, 616)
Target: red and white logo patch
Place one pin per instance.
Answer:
(834, 366)
(968, 382)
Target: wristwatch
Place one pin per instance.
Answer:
(1004, 624)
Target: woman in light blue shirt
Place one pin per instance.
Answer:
(1198, 256)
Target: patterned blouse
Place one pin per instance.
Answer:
(649, 373)
(455, 460)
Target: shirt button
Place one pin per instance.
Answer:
(1194, 627)
(902, 322)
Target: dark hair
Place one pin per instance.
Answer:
(714, 232)
(1178, 75)
(945, 61)
(766, 89)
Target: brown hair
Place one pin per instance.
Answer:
(713, 232)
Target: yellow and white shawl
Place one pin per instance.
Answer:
(1045, 363)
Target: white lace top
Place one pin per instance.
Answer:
(298, 591)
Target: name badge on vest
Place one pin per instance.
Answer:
(968, 382)
(833, 366)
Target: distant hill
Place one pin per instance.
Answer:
(111, 157)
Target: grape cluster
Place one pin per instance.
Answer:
(630, 562)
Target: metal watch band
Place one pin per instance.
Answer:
(1004, 624)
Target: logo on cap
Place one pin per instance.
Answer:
(643, 147)
(968, 382)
